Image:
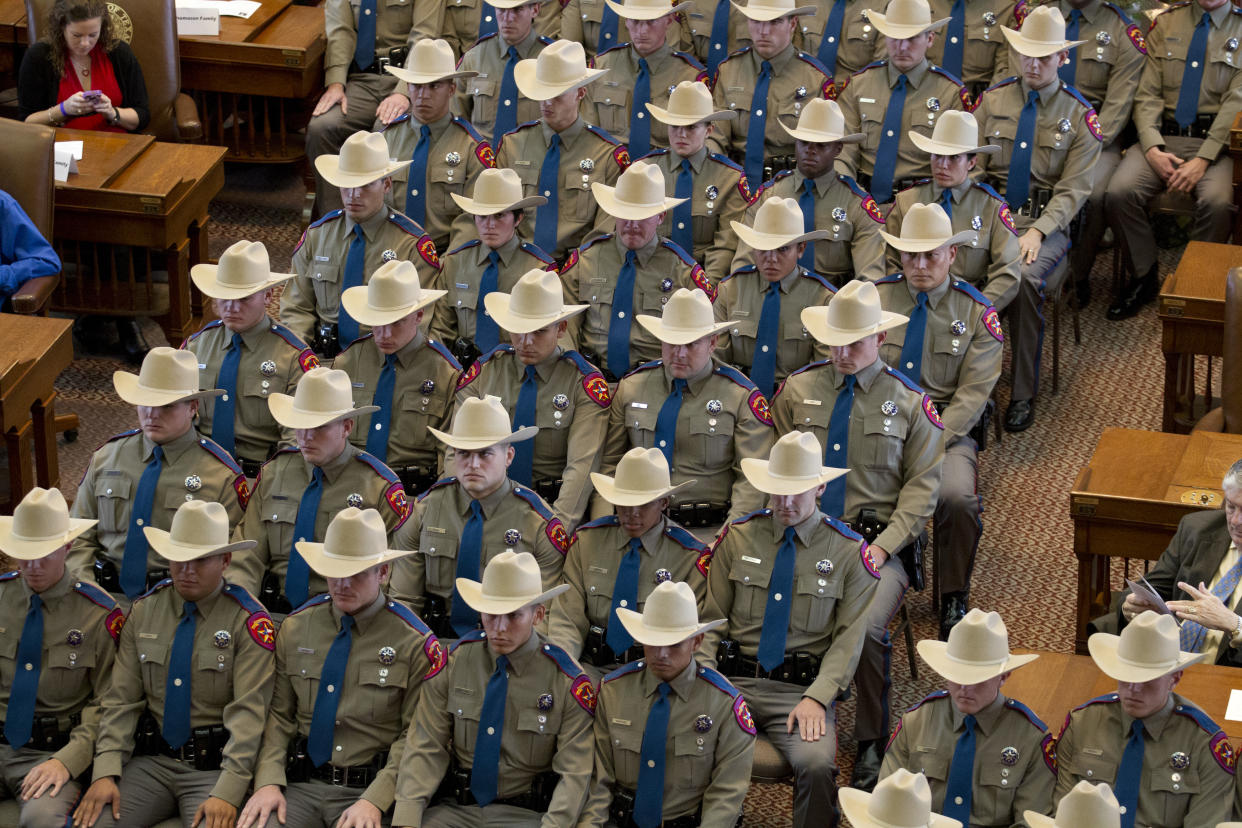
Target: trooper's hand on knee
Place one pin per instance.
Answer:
(47, 777)
(263, 803)
(362, 814)
(214, 813)
(811, 719)
(101, 793)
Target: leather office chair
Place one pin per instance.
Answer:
(27, 176)
(1228, 417)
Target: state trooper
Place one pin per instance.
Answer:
(560, 156)
(990, 263)
(542, 384)
(829, 200)
(890, 98)
(1049, 137)
(409, 378)
(139, 477)
(504, 737)
(190, 688)
(617, 561)
(791, 666)
(972, 48)
(335, 734)
(875, 421)
(988, 759)
(902, 799)
(651, 707)
(52, 681)
(245, 354)
(703, 416)
(1168, 763)
(842, 38)
(461, 523)
(952, 348)
(468, 22)
(489, 98)
(1087, 804)
(302, 487)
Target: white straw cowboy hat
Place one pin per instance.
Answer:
(795, 465)
(511, 581)
(1086, 806)
(512, 4)
(363, 159)
(905, 18)
(956, 133)
(324, 395)
(1042, 34)
(689, 103)
(39, 526)
(642, 477)
(977, 650)
(823, 122)
(537, 301)
(853, 313)
(392, 294)
(669, 617)
(481, 423)
(778, 222)
(497, 190)
(559, 68)
(902, 800)
(639, 193)
(199, 528)
(429, 61)
(687, 317)
(762, 10)
(167, 375)
(646, 9)
(1147, 649)
(356, 540)
(927, 227)
(244, 270)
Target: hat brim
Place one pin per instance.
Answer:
(1034, 819)
(513, 4)
(329, 167)
(815, 137)
(656, 637)
(645, 14)
(32, 549)
(283, 411)
(408, 76)
(606, 487)
(128, 389)
(1103, 649)
(936, 654)
(355, 301)
(758, 472)
(607, 199)
(768, 241)
(167, 548)
(478, 208)
(815, 320)
(528, 85)
(923, 245)
(854, 803)
(328, 565)
(1036, 49)
(677, 336)
(478, 444)
(472, 594)
(901, 31)
(205, 278)
(671, 118)
(499, 306)
(763, 13)
(931, 147)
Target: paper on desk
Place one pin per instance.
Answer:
(1233, 712)
(1144, 592)
(66, 158)
(226, 8)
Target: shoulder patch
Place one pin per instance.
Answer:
(556, 533)
(1093, 124)
(472, 637)
(991, 321)
(596, 387)
(1222, 752)
(699, 277)
(584, 693)
(536, 502)
(1136, 37)
(1048, 747)
(741, 710)
(1020, 11)
(439, 347)
(1006, 217)
(759, 407)
(483, 152)
(395, 497)
(635, 666)
(469, 375)
(929, 408)
(703, 563)
(312, 602)
(538, 252)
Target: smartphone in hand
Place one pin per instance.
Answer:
(92, 94)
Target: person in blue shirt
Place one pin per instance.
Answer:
(24, 253)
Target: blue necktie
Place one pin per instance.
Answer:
(377, 437)
(890, 139)
(666, 421)
(523, 468)
(1070, 68)
(20, 717)
(806, 202)
(956, 39)
(134, 563)
(946, 201)
(758, 124)
(485, 772)
(487, 20)
(649, 804)
(780, 598)
(1196, 56)
(364, 46)
(506, 107)
(486, 331)
(831, 41)
(331, 679)
(836, 453)
(297, 576)
(224, 414)
(640, 122)
(608, 24)
(546, 216)
(683, 214)
(622, 319)
(176, 728)
(1192, 634)
(624, 594)
(416, 206)
(718, 48)
(1130, 775)
(912, 347)
(961, 775)
(469, 563)
(346, 325)
(763, 370)
(1018, 183)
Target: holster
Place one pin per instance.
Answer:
(465, 351)
(272, 597)
(327, 340)
(297, 762)
(979, 432)
(108, 576)
(455, 788)
(910, 555)
(416, 479)
(596, 652)
(548, 489)
(621, 812)
(435, 615)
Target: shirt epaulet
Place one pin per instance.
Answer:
(9, 576)
(288, 336)
(945, 73)
(600, 523)
(655, 153)
(258, 623)
(692, 61)
(1076, 95)
(841, 529)
(1107, 698)
(676, 248)
(438, 346)
(88, 590)
(903, 379)
(472, 637)
(612, 48)
(563, 660)
(817, 277)
(891, 279)
(1117, 10)
(684, 539)
(999, 85)
(1019, 707)
(635, 666)
(122, 435)
(962, 286)
(817, 364)
(536, 502)
(731, 373)
(358, 341)
(215, 323)
(749, 516)
(432, 647)
(718, 681)
(378, 466)
(439, 484)
(468, 128)
(401, 119)
(312, 602)
(537, 251)
(600, 132)
(408, 616)
(463, 246)
(918, 183)
(326, 217)
(167, 582)
(930, 697)
(987, 188)
(750, 268)
(646, 366)
(214, 449)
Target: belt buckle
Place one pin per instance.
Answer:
(380, 63)
(340, 776)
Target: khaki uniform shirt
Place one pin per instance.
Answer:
(1091, 744)
(478, 98)
(399, 23)
(231, 684)
(461, 25)
(985, 56)
(861, 42)
(1015, 759)
(709, 747)
(81, 625)
(828, 616)
(1109, 64)
(609, 101)
(534, 740)
(580, 21)
(391, 656)
(894, 458)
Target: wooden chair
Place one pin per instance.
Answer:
(1228, 416)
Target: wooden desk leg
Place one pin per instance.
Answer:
(47, 463)
(21, 476)
(177, 322)
(1094, 594)
(1168, 419)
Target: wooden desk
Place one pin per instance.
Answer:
(12, 16)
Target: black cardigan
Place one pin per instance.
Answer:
(38, 84)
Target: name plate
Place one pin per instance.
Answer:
(198, 19)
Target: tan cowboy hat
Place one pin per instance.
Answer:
(669, 617)
(324, 395)
(778, 222)
(639, 193)
(977, 650)
(1087, 806)
(902, 800)
(1042, 34)
(537, 301)
(511, 581)
(823, 122)
(481, 423)
(513, 4)
(645, 9)
(853, 313)
(905, 18)
(956, 133)
(795, 465)
(39, 526)
(497, 191)
(363, 159)
(689, 103)
(927, 227)
(429, 61)
(687, 318)
(642, 477)
(392, 294)
(356, 540)
(1146, 649)
(199, 528)
(244, 270)
(762, 10)
(167, 375)
(559, 68)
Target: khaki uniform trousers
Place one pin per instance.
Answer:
(873, 677)
(327, 132)
(472, 816)
(1094, 220)
(1040, 279)
(958, 523)
(47, 811)
(316, 804)
(154, 788)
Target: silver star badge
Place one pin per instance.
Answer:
(193, 483)
(1103, 38)
(976, 223)
(989, 18)
(586, 165)
(354, 500)
(452, 159)
(889, 408)
(1064, 125)
(714, 407)
(222, 639)
(389, 255)
(560, 402)
(958, 327)
(838, 214)
(267, 368)
(933, 104)
(1231, 45)
(512, 537)
(800, 93)
(712, 192)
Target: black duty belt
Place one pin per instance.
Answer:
(109, 577)
(435, 615)
(455, 788)
(596, 652)
(772, 165)
(298, 768)
(46, 733)
(797, 668)
(979, 431)
(1036, 204)
(203, 750)
(272, 595)
(1198, 128)
(868, 524)
(621, 811)
(707, 514)
(394, 56)
(416, 479)
(601, 365)
(899, 184)
(548, 488)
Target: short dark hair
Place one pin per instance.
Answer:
(64, 12)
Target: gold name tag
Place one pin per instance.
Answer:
(622, 722)
(437, 530)
(151, 636)
(749, 559)
(811, 402)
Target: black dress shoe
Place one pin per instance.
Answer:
(1019, 415)
(1083, 288)
(1140, 293)
(953, 610)
(867, 764)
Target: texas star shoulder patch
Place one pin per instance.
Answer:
(584, 693)
(991, 321)
(741, 712)
(759, 407)
(261, 629)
